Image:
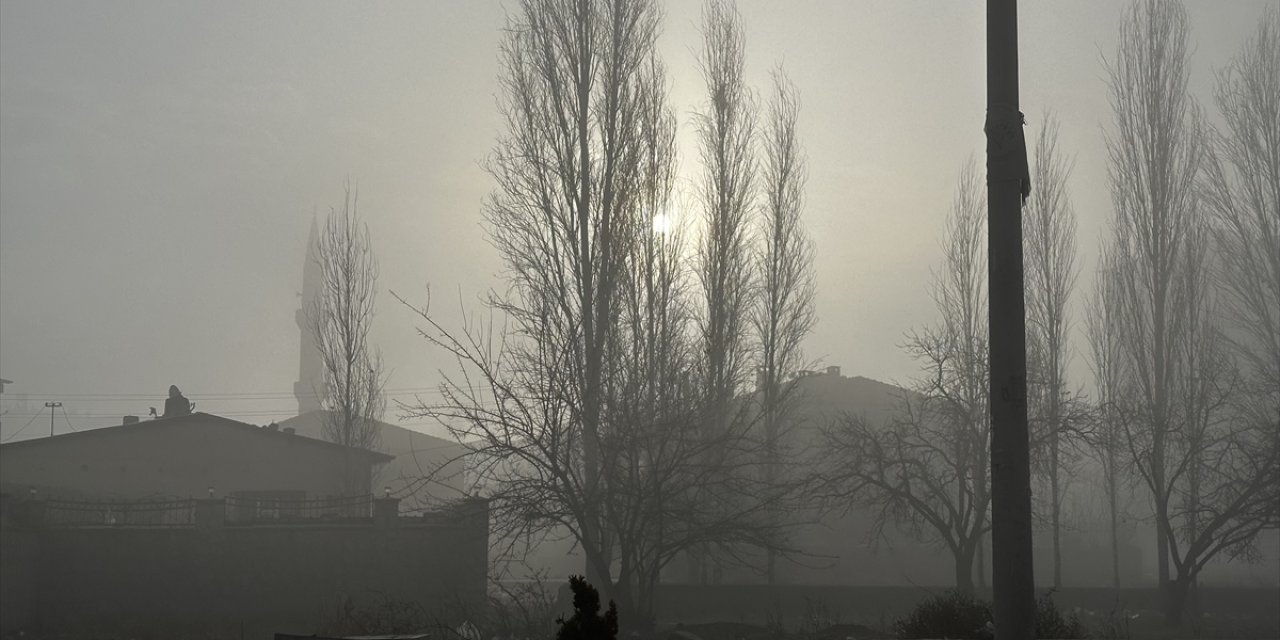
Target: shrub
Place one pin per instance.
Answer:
(948, 615)
(962, 616)
(520, 610)
(586, 623)
(382, 615)
(1050, 623)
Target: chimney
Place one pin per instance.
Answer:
(289, 430)
(833, 371)
(273, 427)
(129, 420)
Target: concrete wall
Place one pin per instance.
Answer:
(256, 580)
(19, 569)
(178, 457)
(879, 607)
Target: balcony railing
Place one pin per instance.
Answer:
(132, 513)
(241, 510)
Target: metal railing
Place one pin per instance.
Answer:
(133, 513)
(264, 510)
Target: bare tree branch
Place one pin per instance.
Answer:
(1210, 469)
(785, 314)
(1050, 246)
(340, 319)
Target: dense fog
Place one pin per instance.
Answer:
(767, 320)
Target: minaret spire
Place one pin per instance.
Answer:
(310, 368)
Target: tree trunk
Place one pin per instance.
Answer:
(771, 451)
(1175, 599)
(1162, 540)
(1159, 424)
(1115, 534)
(1055, 500)
(964, 569)
(982, 561)
(597, 568)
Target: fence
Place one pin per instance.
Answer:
(142, 513)
(249, 510)
(191, 512)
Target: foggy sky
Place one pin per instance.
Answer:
(160, 163)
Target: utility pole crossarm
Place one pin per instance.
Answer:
(51, 406)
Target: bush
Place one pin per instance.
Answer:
(962, 616)
(1050, 623)
(948, 615)
(586, 622)
(520, 610)
(383, 615)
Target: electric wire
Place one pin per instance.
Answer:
(68, 419)
(244, 395)
(19, 431)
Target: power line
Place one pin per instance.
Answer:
(64, 417)
(246, 395)
(24, 428)
(224, 414)
(265, 412)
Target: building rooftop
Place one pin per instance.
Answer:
(205, 420)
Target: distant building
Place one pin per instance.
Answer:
(839, 548)
(417, 456)
(310, 367)
(184, 456)
(835, 548)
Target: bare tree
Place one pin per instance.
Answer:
(928, 471)
(578, 398)
(654, 404)
(1112, 406)
(1154, 152)
(1212, 473)
(1242, 190)
(340, 319)
(571, 172)
(785, 315)
(1223, 469)
(1050, 242)
(726, 130)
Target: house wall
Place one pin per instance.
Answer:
(181, 459)
(417, 456)
(837, 549)
(248, 581)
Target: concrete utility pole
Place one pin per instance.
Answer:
(1008, 184)
(52, 406)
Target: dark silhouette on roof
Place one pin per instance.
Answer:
(176, 404)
